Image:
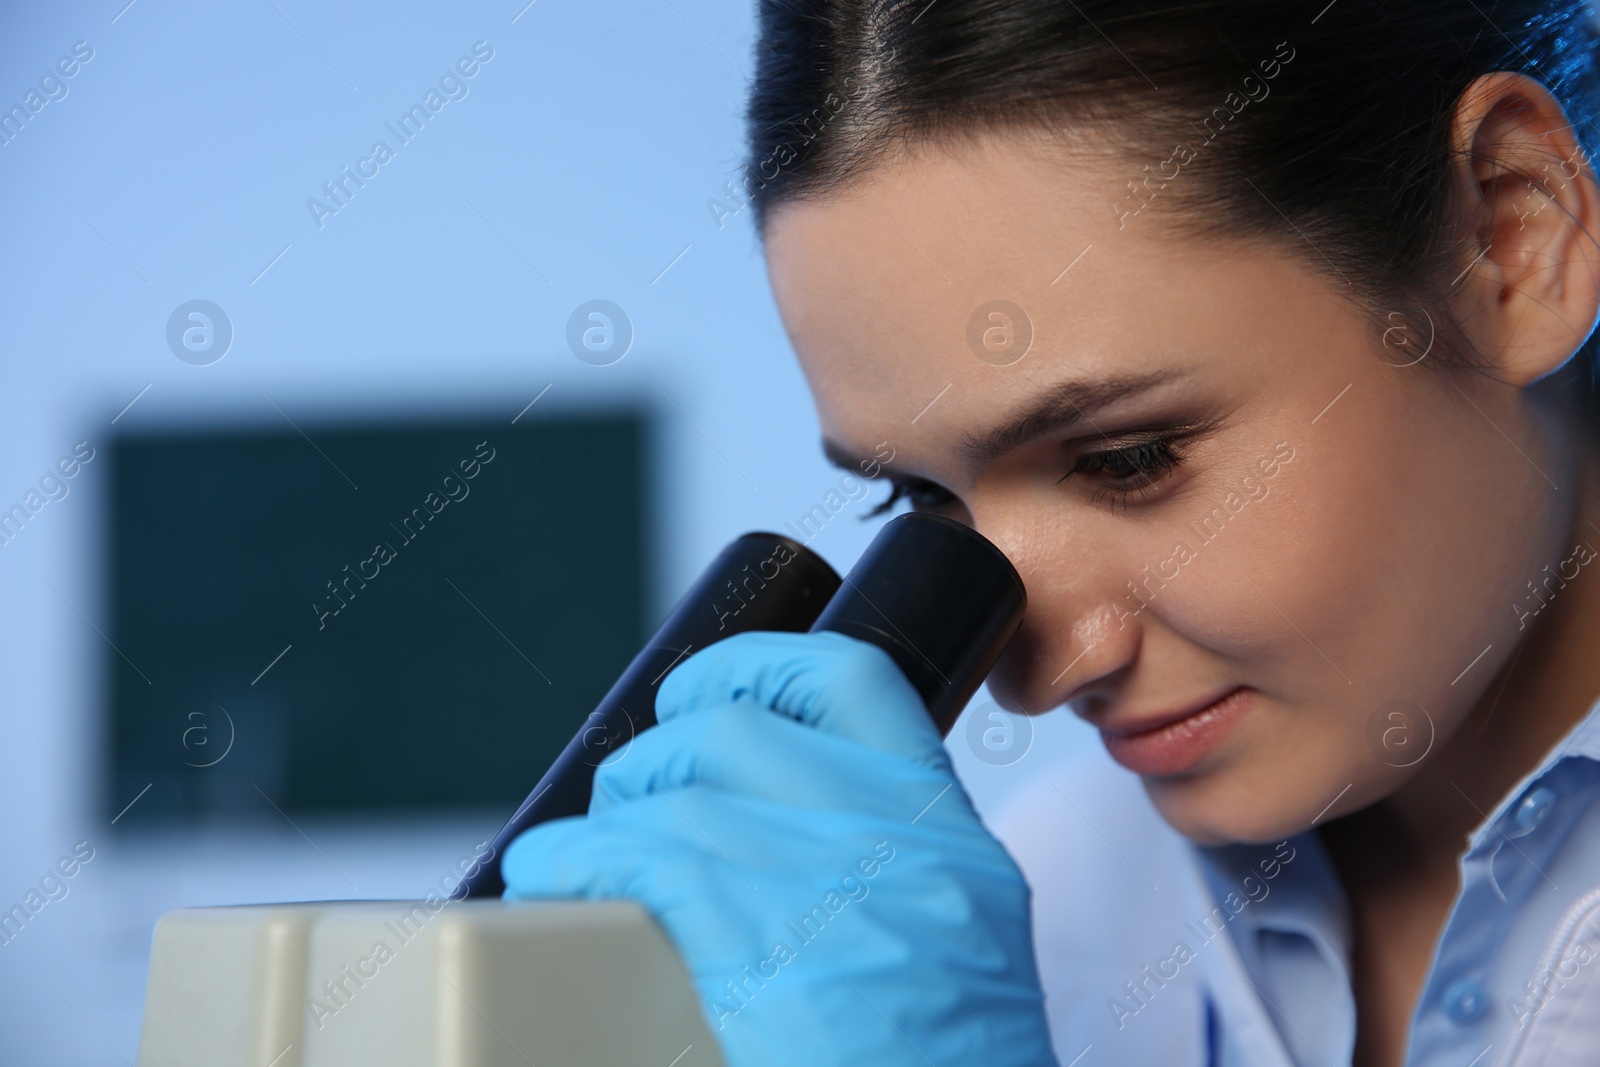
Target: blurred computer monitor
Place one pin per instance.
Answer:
(366, 618)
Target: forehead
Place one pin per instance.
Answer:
(889, 289)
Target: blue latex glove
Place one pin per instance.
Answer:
(795, 826)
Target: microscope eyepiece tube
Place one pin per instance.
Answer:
(762, 581)
(940, 598)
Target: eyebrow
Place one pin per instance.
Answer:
(1062, 407)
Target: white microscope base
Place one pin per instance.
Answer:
(477, 983)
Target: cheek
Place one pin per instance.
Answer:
(1393, 553)
(1381, 564)
(1295, 598)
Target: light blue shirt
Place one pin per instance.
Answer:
(1153, 950)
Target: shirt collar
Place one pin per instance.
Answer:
(1579, 745)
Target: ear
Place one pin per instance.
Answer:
(1530, 297)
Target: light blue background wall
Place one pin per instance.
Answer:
(177, 167)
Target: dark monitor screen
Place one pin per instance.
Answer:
(393, 616)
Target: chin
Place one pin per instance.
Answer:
(1226, 810)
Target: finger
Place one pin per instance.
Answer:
(562, 858)
(655, 857)
(594, 858)
(837, 684)
(742, 748)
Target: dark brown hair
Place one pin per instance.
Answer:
(1323, 126)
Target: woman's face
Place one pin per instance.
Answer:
(1267, 512)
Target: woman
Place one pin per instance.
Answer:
(1257, 336)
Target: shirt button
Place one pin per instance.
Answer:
(1534, 807)
(1465, 1001)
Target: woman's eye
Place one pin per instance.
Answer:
(1129, 470)
(922, 496)
(1118, 474)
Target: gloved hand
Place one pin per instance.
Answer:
(795, 826)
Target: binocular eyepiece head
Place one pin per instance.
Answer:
(935, 595)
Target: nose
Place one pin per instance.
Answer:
(1082, 630)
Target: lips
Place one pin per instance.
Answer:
(1174, 742)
